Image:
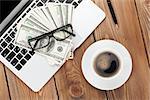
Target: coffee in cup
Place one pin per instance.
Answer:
(106, 64)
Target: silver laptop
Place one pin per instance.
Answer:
(31, 68)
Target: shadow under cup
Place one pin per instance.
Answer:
(106, 64)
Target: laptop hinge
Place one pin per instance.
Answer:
(15, 17)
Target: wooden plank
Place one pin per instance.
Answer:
(143, 7)
(70, 82)
(4, 93)
(105, 30)
(127, 32)
(19, 91)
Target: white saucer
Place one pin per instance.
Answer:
(108, 83)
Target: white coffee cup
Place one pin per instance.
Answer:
(117, 79)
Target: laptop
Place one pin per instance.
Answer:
(32, 68)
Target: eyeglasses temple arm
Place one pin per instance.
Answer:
(69, 32)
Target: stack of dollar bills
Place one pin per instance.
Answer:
(44, 19)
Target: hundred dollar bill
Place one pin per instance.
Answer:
(70, 54)
(57, 50)
(70, 13)
(60, 14)
(49, 17)
(55, 11)
(39, 12)
(64, 11)
(24, 33)
(30, 23)
(67, 13)
(64, 15)
(36, 19)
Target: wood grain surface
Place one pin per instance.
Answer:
(4, 89)
(128, 32)
(131, 28)
(143, 11)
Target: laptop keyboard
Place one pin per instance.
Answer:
(15, 55)
(18, 56)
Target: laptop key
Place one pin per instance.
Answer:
(32, 53)
(33, 5)
(19, 56)
(11, 46)
(10, 56)
(69, 1)
(1, 49)
(18, 20)
(38, 0)
(24, 51)
(13, 34)
(23, 62)
(14, 25)
(44, 1)
(39, 4)
(18, 67)
(4, 44)
(75, 4)
(14, 61)
(27, 57)
(51, 1)
(5, 52)
(8, 39)
(13, 40)
(23, 15)
(61, 1)
(80, 1)
(9, 30)
(17, 49)
(1, 40)
(15, 29)
(28, 10)
(5, 35)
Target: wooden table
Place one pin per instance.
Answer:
(132, 29)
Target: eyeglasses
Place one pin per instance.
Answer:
(60, 34)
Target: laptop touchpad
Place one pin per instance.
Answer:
(86, 17)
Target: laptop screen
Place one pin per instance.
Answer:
(6, 6)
